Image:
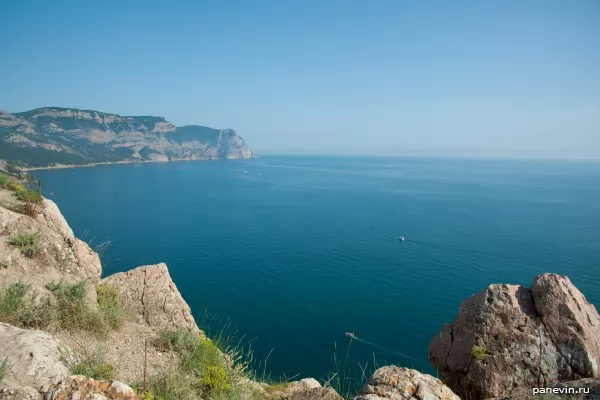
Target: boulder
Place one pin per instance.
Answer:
(31, 358)
(80, 388)
(572, 323)
(20, 393)
(509, 337)
(305, 389)
(397, 383)
(151, 297)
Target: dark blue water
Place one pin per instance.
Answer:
(298, 250)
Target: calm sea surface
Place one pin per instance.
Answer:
(295, 251)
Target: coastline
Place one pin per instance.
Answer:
(65, 166)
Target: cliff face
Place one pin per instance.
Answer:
(55, 136)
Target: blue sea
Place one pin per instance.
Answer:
(297, 250)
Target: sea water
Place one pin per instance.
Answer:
(297, 250)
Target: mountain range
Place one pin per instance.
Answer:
(55, 136)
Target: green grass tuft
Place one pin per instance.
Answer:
(3, 179)
(110, 306)
(73, 311)
(29, 195)
(66, 307)
(92, 365)
(205, 370)
(28, 242)
(479, 353)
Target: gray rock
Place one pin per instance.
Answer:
(80, 388)
(305, 389)
(32, 358)
(21, 393)
(397, 383)
(520, 337)
(151, 297)
(572, 323)
(60, 254)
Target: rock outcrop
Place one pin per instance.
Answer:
(31, 358)
(55, 136)
(508, 337)
(59, 254)
(397, 383)
(152, 298)
(80, 388)
(305, 389)
(72, 388)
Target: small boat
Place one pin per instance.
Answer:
(401, 238)
(351, 335)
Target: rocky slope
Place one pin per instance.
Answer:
(66, 136)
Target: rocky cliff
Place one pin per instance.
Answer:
(510, 338)
(66, 136)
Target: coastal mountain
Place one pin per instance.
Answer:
(56, 136)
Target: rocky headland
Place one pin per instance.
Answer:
(68, 333)
(61, 137)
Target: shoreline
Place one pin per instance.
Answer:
(66, 166)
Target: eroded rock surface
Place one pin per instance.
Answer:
(509, 337)
(31, 357)
(149, 294)
(305, 389)
(80, 388)
(59, 256)
(397, 383)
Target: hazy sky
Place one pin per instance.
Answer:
(507, 77)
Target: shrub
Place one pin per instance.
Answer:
(11, 303)
(28, 242)
(29, 195)
(110, 306)
(3, 179)
(210, 372)
(215, 379)
(173, 385)
(15, 187)
(92, 365)
(65, 309)
(479, 353)
(73, 312)
(15, 311)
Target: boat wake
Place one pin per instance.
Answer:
(352, 336)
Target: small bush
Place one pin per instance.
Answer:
(110, 306)
(15, 311)
(11, 303)
(215, 379)
(15, 187)
(73, 312)
(29, 195)
(93, 366)
(479, 353)
(28, 242)
(173, 385)
(3, 179)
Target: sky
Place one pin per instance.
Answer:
(358, 77)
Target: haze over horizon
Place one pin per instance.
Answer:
(344, 77)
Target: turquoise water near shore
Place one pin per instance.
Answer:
(297, 250)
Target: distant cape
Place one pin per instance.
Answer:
(54, 137)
